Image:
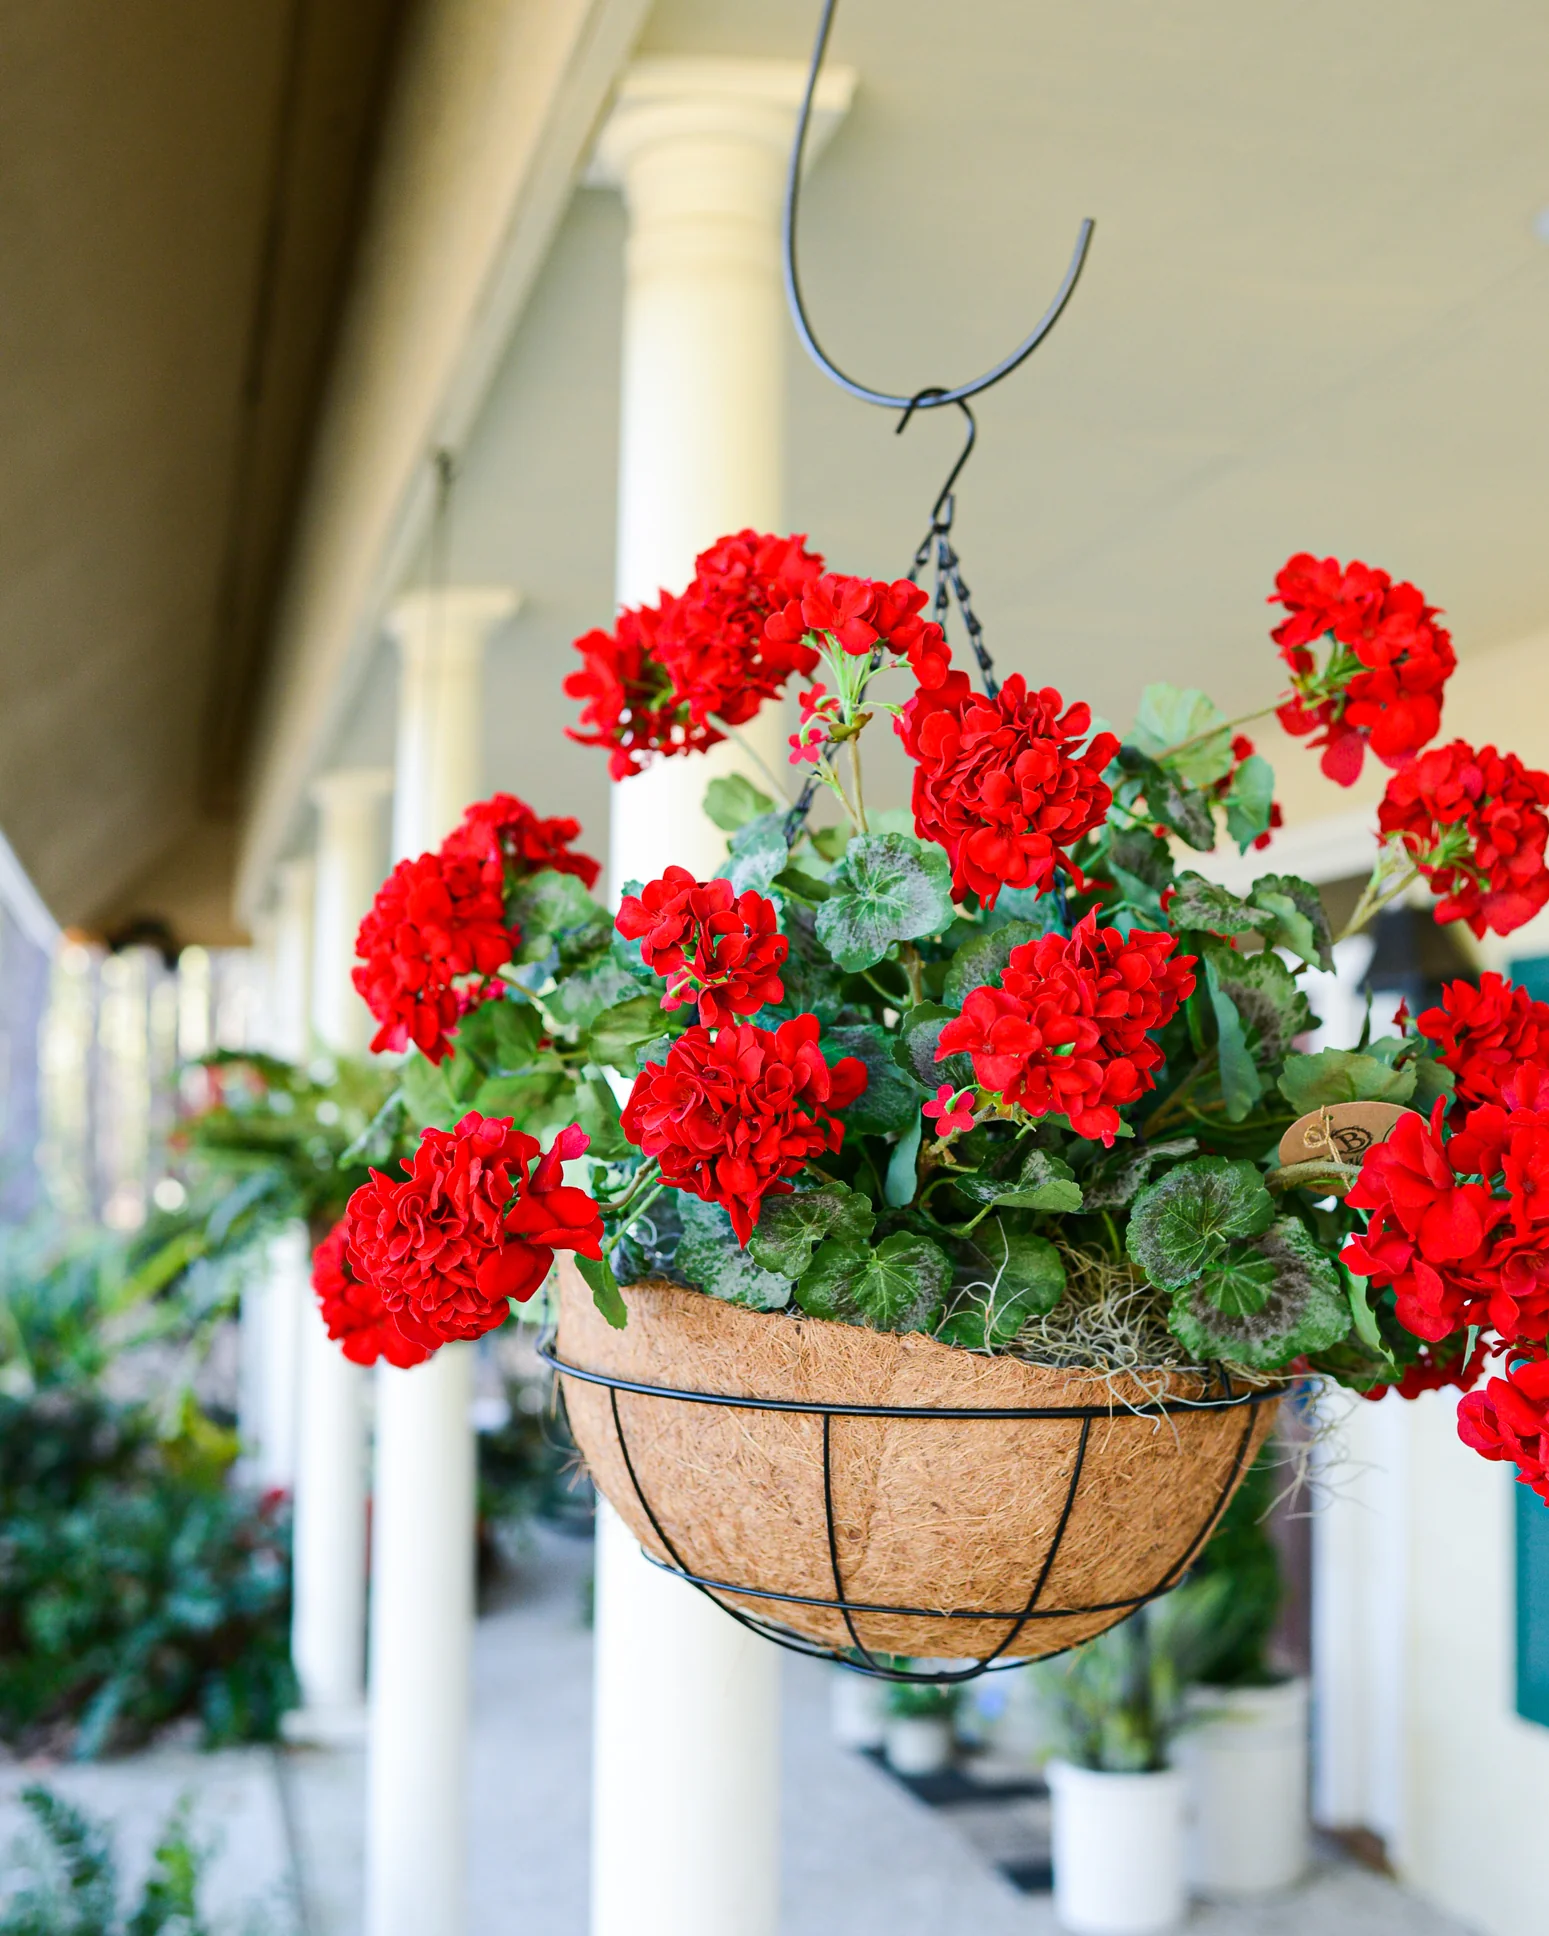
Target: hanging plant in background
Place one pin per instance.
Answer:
(1006, 1074)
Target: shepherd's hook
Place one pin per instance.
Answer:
(935, 397)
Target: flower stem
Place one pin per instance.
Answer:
(1226, 726)
(758, 760)
(1375, 896)
(855, 775)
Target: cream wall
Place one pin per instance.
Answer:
(1476, 1777)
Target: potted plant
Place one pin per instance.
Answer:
(944, 1207)
(1114, 1707)
(918, 1734)
(1244, 1753)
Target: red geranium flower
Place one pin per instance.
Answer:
(511, 841)
(1437, 1369)
(1509, 1419)
(631, 706)
(1383, 685)
(708, 943)
(864, 614)
(1067, 1032)
(951, 1110)
(353, 1312)
(714, 644)
(435, 935)
(470, 1229)
(1486, 1035)
(1475, 826)
(731, 1116)
(1000, 783)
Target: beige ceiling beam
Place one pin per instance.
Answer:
(492, 119)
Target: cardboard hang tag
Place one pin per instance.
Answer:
(1340, 1132)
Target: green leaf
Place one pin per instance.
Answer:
(516, 1028)
(1181, 1224)
(710, 1258)
(1140, 854)
(1114, 1187)
(1248, 801)
(1362, 1315)
(1240, 1284)
(1300, 920)
(981, 962)
(531, 1100)
(902, 1179)
(801, 886)
(888, 887)
(1182, 808)
(732, 801)
(597, 1272)
(898, 1286)
(426, 1095)
(1273, 1008)
(1305, 1309)
(759, 851)
(1241, 1086)
(596, 1109)
(914, 1049)
(790, 1228)
(549, 903)
(612, 1039)
(1045, 1183)
(1024, 1277)
(580, 998)
(891, 1099)
(1342, 1075)
(1169, 716)
(1213, 909)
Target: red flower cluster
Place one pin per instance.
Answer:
(1475, 826)
(1383, 684)
(470, 1229)
(1459, 1223)
(506, 836)
(730, 1116)
(1000, 783)
(708, 943)
(435, 922)
(437, 930)
(666, 672)
(353, 1312)
(630, 705)
(1494, 1039)
(1068, 1029)
(1509, 1420)
(864, 615)
(951, 1110)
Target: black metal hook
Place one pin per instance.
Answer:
(943, 504)
(934, 398)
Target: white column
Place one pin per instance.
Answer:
(273, 1301)
(685, 1809)
(423, 1524)
(328, 1620)
(699, 148)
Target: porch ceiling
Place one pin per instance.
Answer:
(179, 189)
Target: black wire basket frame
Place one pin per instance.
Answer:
(858, 1655)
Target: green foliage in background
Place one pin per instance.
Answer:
(68, 1881)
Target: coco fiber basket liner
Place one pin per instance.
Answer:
(861, 1493)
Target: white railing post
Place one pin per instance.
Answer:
(685, 1829)
(423, 1512)
(328, 1622)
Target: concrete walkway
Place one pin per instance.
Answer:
(862, 1856)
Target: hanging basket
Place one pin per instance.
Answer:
(861, 1494)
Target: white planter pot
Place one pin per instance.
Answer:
(857, 1709)
(1118, 1851)
(1244, 1758)
(918, 1744)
